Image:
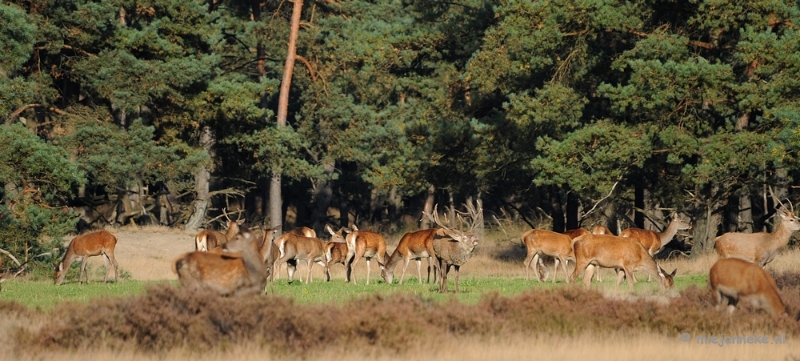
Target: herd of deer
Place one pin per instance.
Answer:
(239, 263)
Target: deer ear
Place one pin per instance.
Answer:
(329, 229)
(673, 272)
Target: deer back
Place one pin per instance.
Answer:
(740, 279)
(548, 242)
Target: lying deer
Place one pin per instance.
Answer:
(734, 279)
(626, 254)
(759, 248)
(236, 270)
(87, 245)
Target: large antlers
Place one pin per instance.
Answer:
(474, 213)
(782, 208)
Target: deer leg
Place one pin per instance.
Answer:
(352, 266)
(588, 271)
(368, 269)
(631, 279)
(419, 270)
(83, 271)
(564, 267)
(457, 268)
(291, 267)
(556, 261)
(406, 261)
(110, 259)
(530, 263)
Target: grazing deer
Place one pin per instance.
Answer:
(414, 245)
(598, 229)
(622, 253)
(294, 247)
(87, 245)
(759, 248)
(452, 247)
(553, 244)
(655, 241)
(360, 243)
(733, 279)
(236, 270)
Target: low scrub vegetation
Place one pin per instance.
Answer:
(167, 318)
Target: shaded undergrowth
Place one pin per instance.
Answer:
(168, 318)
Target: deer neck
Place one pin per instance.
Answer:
(780, 236)
(254, 263)
(668, 234)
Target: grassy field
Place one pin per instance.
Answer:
(44, 295)
(497, 315)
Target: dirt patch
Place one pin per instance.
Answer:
(148, 253)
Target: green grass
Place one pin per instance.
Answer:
(45, 295)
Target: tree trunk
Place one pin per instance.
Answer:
(428, 208)
(201, 187)
(275, 212)
(707, 219)
(322, 200)
(559, 223)
(573, 208)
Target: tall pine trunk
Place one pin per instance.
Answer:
(201, 184)
(275, 201)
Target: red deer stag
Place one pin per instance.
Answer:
(414, 245)
(360, 243)
(453, 247)
(238, 269)
(626, 254)
(297, 248)
(734, 279)
(759, 248)
(543, 242)
(87, 245)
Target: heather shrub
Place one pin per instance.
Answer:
(167, 318)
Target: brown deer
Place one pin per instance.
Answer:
(733, 279)
(87, 245)
(275, 253)
(210, 239)
(294, 247)
(759, 248)
(452, 247)
(236, 270)
(598, 229)
(360, 243)
(553, 244)
(626, 254)
(414, 245)
(335, 252)
(655, 241)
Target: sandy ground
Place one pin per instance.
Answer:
(148, 253)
